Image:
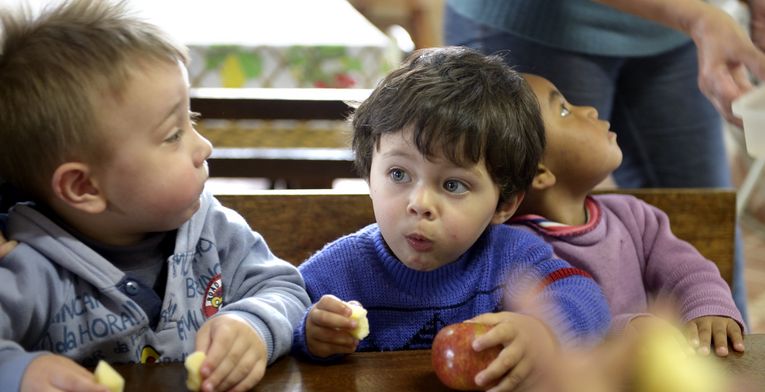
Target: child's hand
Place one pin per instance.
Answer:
(525, 339)
(50, 372)
(328, 327)
(714, 330)
(6, 246)
(236, 355)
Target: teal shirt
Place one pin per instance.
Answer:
(578, 25)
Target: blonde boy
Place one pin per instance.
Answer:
(122, 255)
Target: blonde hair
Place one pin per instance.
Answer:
(52, 68)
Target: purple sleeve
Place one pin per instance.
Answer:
(676, 268)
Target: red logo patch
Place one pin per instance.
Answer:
(213, 296)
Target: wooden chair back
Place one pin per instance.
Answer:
(297, 223)
(302, 156)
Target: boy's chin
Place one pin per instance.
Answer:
(418, 264)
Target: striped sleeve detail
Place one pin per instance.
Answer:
(562, 274)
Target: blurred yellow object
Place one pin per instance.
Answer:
(665, 363)
(193, 363)
(108, 377)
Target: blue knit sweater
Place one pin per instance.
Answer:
(408, 307)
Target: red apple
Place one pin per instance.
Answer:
(455, 361)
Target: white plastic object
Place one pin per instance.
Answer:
(750, 107)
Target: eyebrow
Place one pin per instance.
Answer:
(397, 153)
(554, 97)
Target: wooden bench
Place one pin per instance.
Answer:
(297, 223)
(275, 103)
(313, 168)
(298, 166)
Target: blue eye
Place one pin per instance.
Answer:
(454, 186)
(398, 175)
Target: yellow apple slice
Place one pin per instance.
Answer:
(665, 365)
(362, 323)
(108, 377)
(193, 363)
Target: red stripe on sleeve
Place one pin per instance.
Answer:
(562, 274)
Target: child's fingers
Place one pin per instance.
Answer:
(499, 335)
(251, 379)
(321, 349)
(332, 304)
(244, 368)
(202, 340)
(218, 375)
(705, 336)
(66, 375)
(332, 336)
(75, 383)
(489, 318)
(330, 319)
(720, 335)
(323, 342)
(736, 336)
(507, 359)
(692, 334)
(230, 337)
(720, 341)
(510, 374)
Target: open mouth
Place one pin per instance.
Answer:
(419, 243)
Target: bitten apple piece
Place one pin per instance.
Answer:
(108, 377)
(362, 327)
(193, 363)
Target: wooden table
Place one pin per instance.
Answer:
(751, 364)
(388, 371)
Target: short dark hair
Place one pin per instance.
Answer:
(462, 104)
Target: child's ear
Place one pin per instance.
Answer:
(543, 179)
(508, 207)
(73, 184)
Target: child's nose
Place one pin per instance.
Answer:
(203, 149)
(421, 202)
(590, 111)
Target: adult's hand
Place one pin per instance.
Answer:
(725, 51)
